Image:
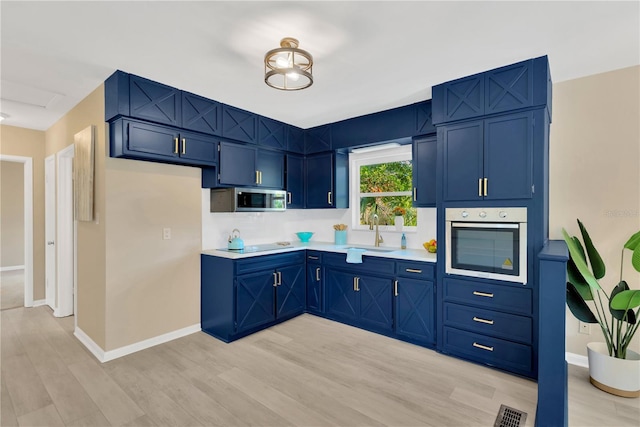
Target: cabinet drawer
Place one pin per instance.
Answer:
(494, 323)
(499, 297)
(268, 261)
(314, 257)
(416, 270)
(492, 351)
(369, 264)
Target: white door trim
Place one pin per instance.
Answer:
(50, 248)
(28, 224)
(65, 233)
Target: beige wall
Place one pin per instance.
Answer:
(90, 237)
(594, 173)
(11, 214)
(15, 141)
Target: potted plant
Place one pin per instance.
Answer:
(613, 367)
(399, 213)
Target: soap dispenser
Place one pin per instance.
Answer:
(403, 242)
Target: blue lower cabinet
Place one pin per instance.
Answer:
(359, 299)
(255, 298)
(290, 291)
(414, 310)
(314, 288)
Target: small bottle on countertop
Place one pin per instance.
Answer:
(403, 242)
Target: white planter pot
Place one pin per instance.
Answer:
(398, 222)
(616, 376)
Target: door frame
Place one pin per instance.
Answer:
(65, 234)
(50, 265)
(28, 224)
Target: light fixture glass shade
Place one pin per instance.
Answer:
(287, 67)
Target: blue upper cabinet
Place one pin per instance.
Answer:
(317, 139)
(517, 86)
(154, 101)
(424, 171)
(423, 118)
(295, 140)
(295, 181)
(458, 99)
(463, 163)
(272, 133)
(201, 114)
(239, 124)
(270, 167)
(326, 181)
(237, 165)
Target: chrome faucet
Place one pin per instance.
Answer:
(379, 238)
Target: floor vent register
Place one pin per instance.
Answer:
(509, 417)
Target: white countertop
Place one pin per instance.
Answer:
(408, 254)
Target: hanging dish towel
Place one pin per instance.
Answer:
(354, 255)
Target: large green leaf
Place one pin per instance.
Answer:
(597, 265)
(635, 258)
(619, 314)
(578, 306)
(626, 299)
(580, 262)
(633, 242)
(579, 246)
(578, 281)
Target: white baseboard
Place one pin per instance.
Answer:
(39, 302)
(12, 268)
(576, 359)
(105, 356)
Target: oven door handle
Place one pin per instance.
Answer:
(484, 225)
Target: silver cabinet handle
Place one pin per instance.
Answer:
(483, 294)
(184, 145)
(395, 288)
(486, 180)
(481, 320)
(415, 194)
(313, 257)
(480, 187)
(279, 278)
(318, 274)
(412, 270)
(357, 284)
(483, 347)
(275, 279)
(289, 197)
(329, 198)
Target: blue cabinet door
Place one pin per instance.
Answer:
(270, 165)
(458, 99)
(153, 101)
(291, 291)
(295, 140)
(198, 149)
(463, 160)
(294, 181)
(239, 124)
(423, 118)
(201, 114)
(317, 139)
(153, 142)
(375, 302)
(255, 300)
(237, 164)
(314, 288)
(424, 171)
(341, 298)
(272, 133)
(414, 310)
(319, 181)
(508, 156)
(509, 88)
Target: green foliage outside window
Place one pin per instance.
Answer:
(385, 178)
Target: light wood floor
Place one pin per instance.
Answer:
(307, 371)
(11, 289)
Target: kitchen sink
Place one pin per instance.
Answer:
(373, 249)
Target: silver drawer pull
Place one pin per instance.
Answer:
(313, 257)
(483, 347)
(480, 320)
(483, 294)
(412, 270)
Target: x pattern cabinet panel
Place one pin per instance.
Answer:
(254, 300)
(201, 114)
(154, 101)
(239, 124)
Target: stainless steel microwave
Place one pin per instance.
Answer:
(248, 200)
(490, 243)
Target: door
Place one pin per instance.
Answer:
(414, 315)
(341, 301)
(375, 295)
(237, 165)
(50, 230)
(290, 292)
(314, 291)
(198, 149)
(319, 181)
(255, 300)
(152, 141)
(424, 172)
(463, 163)
(271, 167)
(65, 243)
(295, 182)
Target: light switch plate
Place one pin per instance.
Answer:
(166, 234)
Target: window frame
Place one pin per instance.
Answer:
(388, 155)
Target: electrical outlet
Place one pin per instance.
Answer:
(584, 328)
(166, 234)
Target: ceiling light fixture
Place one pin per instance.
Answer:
(287, 67)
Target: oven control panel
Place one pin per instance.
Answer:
(488, 214)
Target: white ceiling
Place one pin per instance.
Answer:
(369, 56)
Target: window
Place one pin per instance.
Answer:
(382, 184)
